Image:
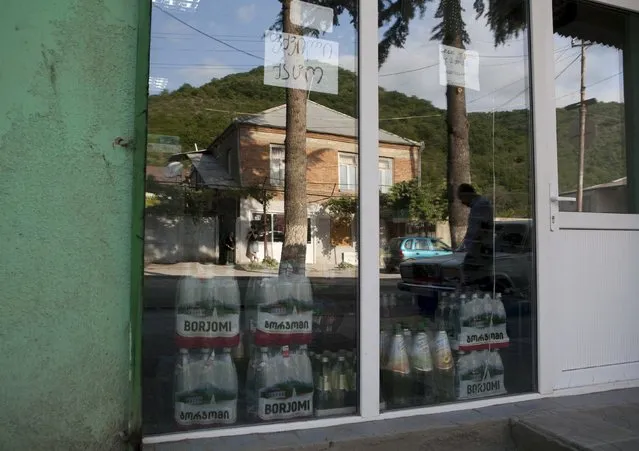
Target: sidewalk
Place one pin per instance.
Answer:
(189, 268)
(595, 422)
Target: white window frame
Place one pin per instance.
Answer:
(348, 186)
(274, 181)
(385, 187)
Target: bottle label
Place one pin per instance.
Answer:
(190, 410)
(422, 360)
(443, 354)
(491, 386)
(342, 384)
(218, 322)
(274, 327)
(282, 403)
(477, 338)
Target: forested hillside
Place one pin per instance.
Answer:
(198, 115)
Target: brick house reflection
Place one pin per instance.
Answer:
(250, 153)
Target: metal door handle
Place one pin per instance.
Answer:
(562, 199)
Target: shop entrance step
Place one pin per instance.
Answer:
(609, 428)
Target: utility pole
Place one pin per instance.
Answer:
(582, 126)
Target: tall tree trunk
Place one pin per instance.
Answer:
(458, 164)
(294, 248)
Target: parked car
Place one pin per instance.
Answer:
(511, 272)
(409, 248)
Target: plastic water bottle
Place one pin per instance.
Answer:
(323, 390)
(225, 389)
(222, 296)
(300, 297)
(422, 369)
(398, 371)
(340, 384)
(191, 314)
(184, 385)
(444, 367)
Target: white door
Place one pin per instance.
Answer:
(588, 251)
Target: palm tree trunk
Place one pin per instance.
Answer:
(294, 248)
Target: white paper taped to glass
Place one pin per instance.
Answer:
(300, 62)
(308, 15)
(458, 67)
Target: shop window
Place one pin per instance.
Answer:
(463, 326)
(235, 334)
(595, 90)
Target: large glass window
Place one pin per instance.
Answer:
(457, 307)
(250, 304)
(594, 147)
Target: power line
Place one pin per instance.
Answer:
(526, 88)
(590, 86)
(409, 70)
(206, 34)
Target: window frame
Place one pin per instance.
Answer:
(391, 163)
(347, 187)
(272, 181)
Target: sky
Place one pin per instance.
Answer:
(180, 54)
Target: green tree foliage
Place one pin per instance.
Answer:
(420, 204)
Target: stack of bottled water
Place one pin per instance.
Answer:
(279, 384)
(280, 310)
(208, 336)
(207, 312)
(205, 388)
(279, 327)
(480, 373)
(475, 321)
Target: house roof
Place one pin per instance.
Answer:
(595, 23)
(614, 184)
(320, 119)
(213, 174)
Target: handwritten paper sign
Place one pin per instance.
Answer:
(300, 62)
(458, 67)
(308, 15)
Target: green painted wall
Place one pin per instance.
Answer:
(67, 77)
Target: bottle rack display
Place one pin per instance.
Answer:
(269, 369)
(454, 356)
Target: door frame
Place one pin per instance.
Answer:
(546, 178)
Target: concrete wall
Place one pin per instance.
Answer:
(176, 239)
(67, 90)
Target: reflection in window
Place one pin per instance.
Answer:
(347, 172)
(277, 167)
(242, 321)
(385, 174)
(591, 41)
(457, 325)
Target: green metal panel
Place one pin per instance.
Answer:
(68, 85)
(137, 225)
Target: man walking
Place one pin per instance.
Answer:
(478, 242)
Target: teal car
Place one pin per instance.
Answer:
(406, 248)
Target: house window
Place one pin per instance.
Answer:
(347, 172)
(385, 166)
(277, 165)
